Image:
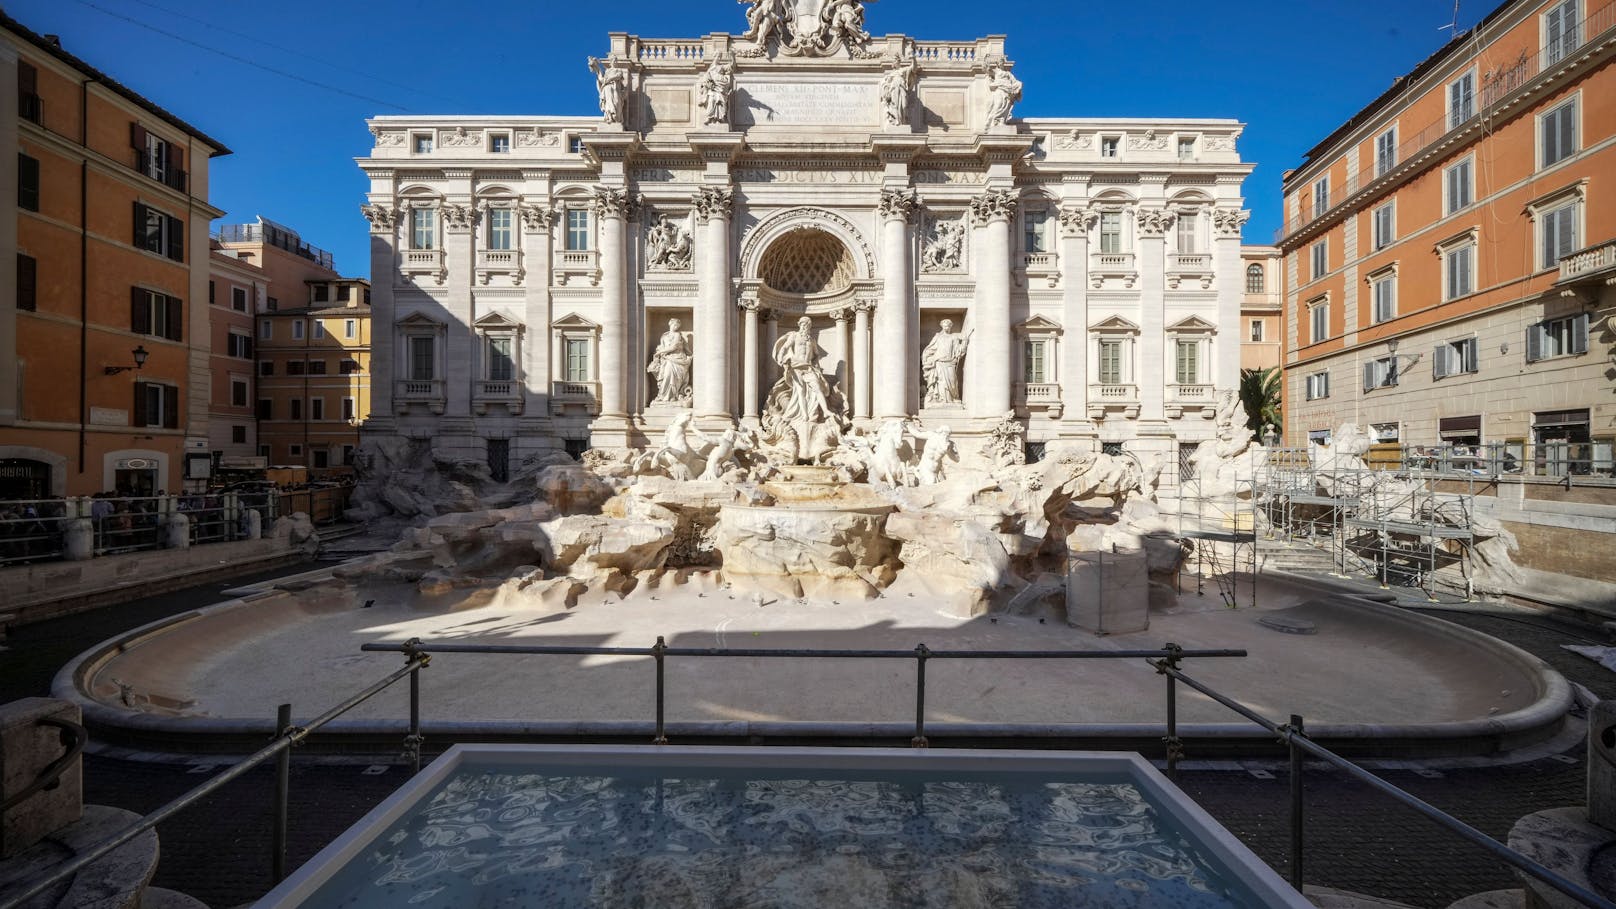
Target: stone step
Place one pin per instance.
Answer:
(158, 898)
(114, 882)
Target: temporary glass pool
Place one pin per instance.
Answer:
(563, 826)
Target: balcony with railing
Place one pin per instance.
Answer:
(1194, 269)
(491, 262)
(428, 392)
(573, 264)
(576, 394)
(1500, 86)
(1113, 395)
(1593, 265)
(1190, 394)
(423, 262)
(1117, 265)
(1042, 266)
(506, 392)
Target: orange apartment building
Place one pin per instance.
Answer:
(1449, 255)
(1262, 307)
(104, 239)
(312, 349)
(237, 291)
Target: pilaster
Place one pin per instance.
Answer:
(9, 354)
(1152, 225)
(460, 215)
(713, 205)
(538, 219)
(1075, 223)
(895, 376)
(386, 219)
(1227, 225)
(989, 355)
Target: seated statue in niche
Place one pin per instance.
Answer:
(670, 366)
(940, 365)
(800, 415)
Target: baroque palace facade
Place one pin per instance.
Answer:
(577, 282)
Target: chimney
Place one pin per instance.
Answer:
(54, 41)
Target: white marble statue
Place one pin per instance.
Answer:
(842, 20)
(886, 455)
(939, 445)
(766, 19)
(667, 245)
(945, 248)
(677, 456)
(940, 364)
(612, 85)
(799, 407)
(1004, 90)
(670, 366)
(724, 454)
(713, 92)
(896, 87)
(1006, 445)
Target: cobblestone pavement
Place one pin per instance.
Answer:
(1358, 840)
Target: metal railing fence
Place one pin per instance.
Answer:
(1294, 736)
(31, 530)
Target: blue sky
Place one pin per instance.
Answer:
(1291, 69)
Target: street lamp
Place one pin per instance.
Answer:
(140, 355)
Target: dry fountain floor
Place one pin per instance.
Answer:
(1366, 665)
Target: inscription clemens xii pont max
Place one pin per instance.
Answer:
(808, 103)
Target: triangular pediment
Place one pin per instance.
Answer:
(497, 321)
(1038, 325)
(1192, 324)
(574, 321)
(1116, 324)
(419, 320)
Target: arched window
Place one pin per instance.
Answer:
(1254, 278)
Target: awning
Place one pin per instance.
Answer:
(1459, 427)
(1561, 418)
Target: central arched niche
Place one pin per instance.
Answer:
(807, 263)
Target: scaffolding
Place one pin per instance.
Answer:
(1223, 531)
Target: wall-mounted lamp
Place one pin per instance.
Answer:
(140, 355)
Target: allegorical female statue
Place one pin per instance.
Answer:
(940, 365)
(611, 84)
(670, 366)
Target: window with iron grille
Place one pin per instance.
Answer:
(499, 460)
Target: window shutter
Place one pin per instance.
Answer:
(27, 79)
(1472, 356)
(1566, 127)
(137, 137)
(1534, 343)
(176, 239)
(171, 407)
(176, 166)
(27, 283)
(140, 226)
(1439, 362)
(176, 319)
(27, 183)
(1368, 376)
(139, 410)
(140, 311)
(1579, 334)
(246, 347)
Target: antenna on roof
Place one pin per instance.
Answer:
(1454, 25)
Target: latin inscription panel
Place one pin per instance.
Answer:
(807, 104)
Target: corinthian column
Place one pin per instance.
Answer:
(989, 354)
(894, 377)
(1228, 223)
(1153, 224)
(712, 362)
(749, 361)
(861, 359)
(1074, 366)
(611, 210)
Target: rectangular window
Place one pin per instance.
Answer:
(1186, 149)
(421, 143)
(423, 228)
(1318, 386)
(1558, 233)
(28, 102)
(239, 345)
(501, 364)
(316, 367)
(1258, 328)
(266, 330)
(238, 393)
(317, 408)
(1321, 258)
(319, 328)
(1110, 232)
(1458, 186)
(1461, 100)
(1035, 225)
(577, 360)
(297, 329)
(1035, 358)
(499, 229)
(1455, 357)
(296, 367)
(156, 406)
(1319, 321)
(423, 353)
(1385, 298)
(350, 329)
(348, 452)
(1184, 231)
(322, 293)
(159, 233)
(266, 408)
(27, 183)
(344, 293)
(1385, 227)
(1110, 362)
(155, 314)
(499, 143)
(1458, 272)
(1187, 362)
(575, 145)
(158, 158)
(238, 435)
(266, 368)
(297, 408)
(499, 460)
(348, 367)
(27, 283)
(322, 458)
(1110, 146)
(238, 299)
(1564, 337)
(1562, 33)
(1558, 132)
(348, 410)
(1321, 196)
(1386, 152)
(1380, 373)
(577, 229)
